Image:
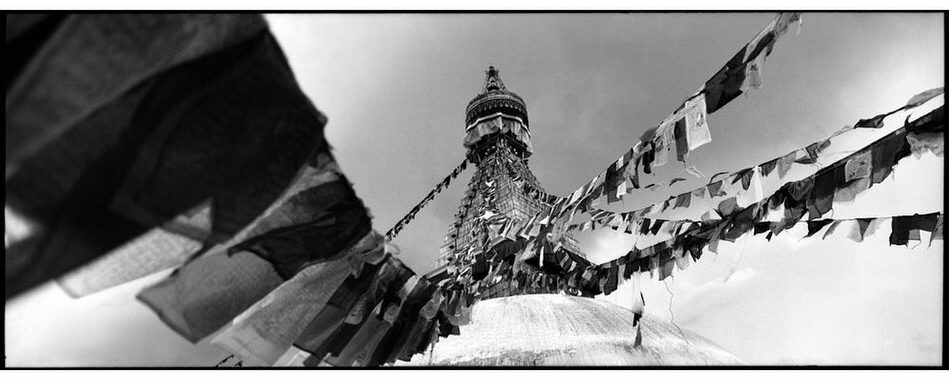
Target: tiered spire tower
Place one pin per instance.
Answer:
(497, 136)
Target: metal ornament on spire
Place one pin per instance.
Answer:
(492, 80)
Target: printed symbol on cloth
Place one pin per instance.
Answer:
(858, 167)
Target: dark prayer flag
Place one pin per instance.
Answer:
(812, 151)
(745, 177)
(681, 141)
(742, 222)
(821, 197)
(683, 200)
(769, 166)
(656, 225)
(611, 280)
(815, 226)
(761, 227)
(903, 225)
(874, 123)
(130, 171)
(885, 153)
(714, 189)
(645, 226)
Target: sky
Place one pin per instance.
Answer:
(395, 86)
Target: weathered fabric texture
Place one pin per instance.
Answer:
(119, 123)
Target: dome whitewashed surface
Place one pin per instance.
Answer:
(558, 330)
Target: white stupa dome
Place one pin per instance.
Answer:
(556, 330)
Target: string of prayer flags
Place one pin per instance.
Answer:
(687, 127)
(399, 225)
(797, 197)
(729, 81)
(813, 195)
(878, 161)
(660, 255)
(876, 122)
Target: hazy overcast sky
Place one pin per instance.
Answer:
(395, 88)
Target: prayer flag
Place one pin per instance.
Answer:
(696, 127)
(858, 166)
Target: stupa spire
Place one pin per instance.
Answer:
(498, 142)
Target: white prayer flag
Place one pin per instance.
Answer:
(696, 127)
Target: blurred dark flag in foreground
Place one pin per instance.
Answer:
(118, 124)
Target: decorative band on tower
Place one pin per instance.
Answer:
(497, 112)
